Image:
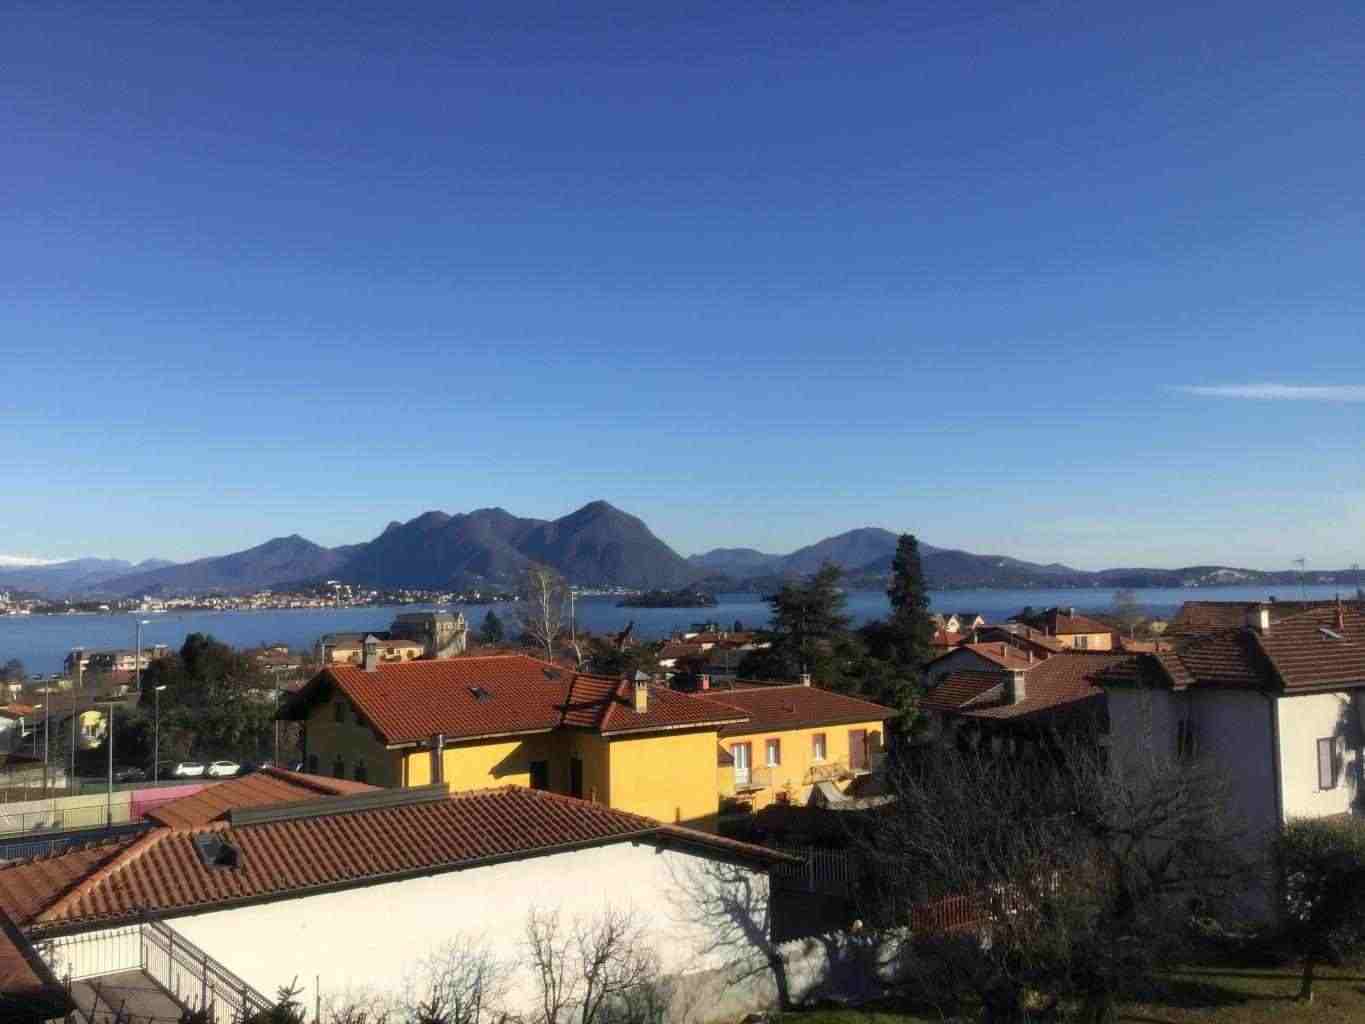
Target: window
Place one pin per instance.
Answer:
(774, 752)
(1186, 740)
(740, 753)
(312, 764)
(360, 775)
(1329, 762)
(540, 774)
(341, 711)
(339, 768)
(1081, 642)
(817, 747)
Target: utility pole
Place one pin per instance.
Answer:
(76, 714)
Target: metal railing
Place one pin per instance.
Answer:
(24, 849)
(180, 968)
(64, 819)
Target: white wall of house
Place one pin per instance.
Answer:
(1303, 720)
(1237, 746)
(372, 937)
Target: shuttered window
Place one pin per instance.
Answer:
(774, 748)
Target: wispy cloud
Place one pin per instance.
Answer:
(1280, 392)
(15, 561)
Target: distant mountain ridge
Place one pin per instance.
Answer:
(597, 545)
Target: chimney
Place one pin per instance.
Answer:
(1016, 689)
(805, 678)
(1071, 613)
(641, 693)
(371, 654)
(1258, 618)
(438, 761)
(704, 681)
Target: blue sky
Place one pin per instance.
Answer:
(1075, 281)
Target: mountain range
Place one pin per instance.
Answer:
(596, 546)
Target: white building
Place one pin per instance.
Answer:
(347, 889)
(1273, 710)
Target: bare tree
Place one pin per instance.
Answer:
(541, 615)
(731, 909)
(1081, 879)
(460, 983)
(597, 971)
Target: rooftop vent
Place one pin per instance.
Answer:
(1330, 634)
(480, 694)
(551, 673)
(215, 851)
(327, 806)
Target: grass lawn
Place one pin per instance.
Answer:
(1218, 995)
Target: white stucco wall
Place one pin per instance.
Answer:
(371, 938)
(1303, 721)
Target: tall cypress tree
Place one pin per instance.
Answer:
(910, 622)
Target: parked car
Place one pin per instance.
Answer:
(224, 769)
(129, 773)
(188, 769)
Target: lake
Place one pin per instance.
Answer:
(42, 641)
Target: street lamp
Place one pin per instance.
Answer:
(76, 713)
(137, 657)
(156, 734)
(109, 737)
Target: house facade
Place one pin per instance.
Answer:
(1072, 630)
(794, 738)
(1272, 708)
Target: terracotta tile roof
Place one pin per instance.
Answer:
(962, 689)
(673, 650)
(501, 695)
(259, 789)
(161, 871)
(775, 708)
(1063, 622)
(1019, 634)
(607, 706)
(1064, 682)
(28, 989)
(1004, 654)
(1199, 618)
(414, 700)
(1322, 648)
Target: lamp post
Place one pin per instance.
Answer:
(109, 737)
(137, 656)
(76, 713)
(156, 733)
(47, 731)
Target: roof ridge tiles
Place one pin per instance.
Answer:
(58, 908)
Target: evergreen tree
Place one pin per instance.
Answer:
(491, 632)
(910, 624)
(808, 619)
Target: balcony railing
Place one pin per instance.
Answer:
(183, 970)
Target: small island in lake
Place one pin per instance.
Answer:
(669, 599)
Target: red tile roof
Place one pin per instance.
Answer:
(28, 989)
(775, 708)
(1064, 622)
(1068, 682)
(1199, 618)
(162, 872)
(962, 689)
(1006, 655)
(607, 706)
(259, 789)
(501, 695)
(1319, 649)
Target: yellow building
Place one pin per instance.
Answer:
(1073, 631)
(481, 721)
(796, 737)
(349, 648)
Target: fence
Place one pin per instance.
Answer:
(830, 872)
(23, 849)
(183, 970)
(64, 819)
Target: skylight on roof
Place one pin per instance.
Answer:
(215, 851)
(1330, 634)
(480, 694)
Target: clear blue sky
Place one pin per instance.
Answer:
(1078, 281)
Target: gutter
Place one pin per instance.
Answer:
(1275, 756)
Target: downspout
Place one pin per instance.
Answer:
(1271, 703)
